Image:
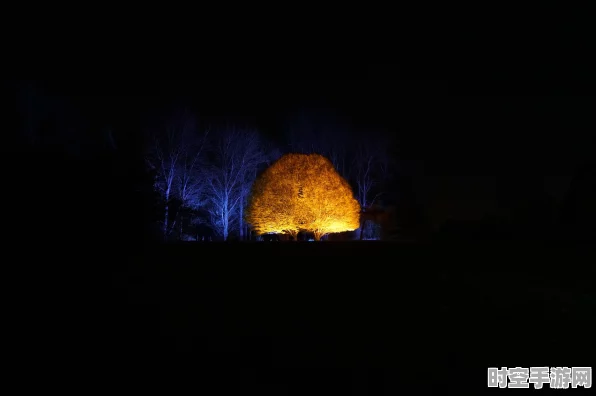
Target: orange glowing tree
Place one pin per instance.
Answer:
(302, 192)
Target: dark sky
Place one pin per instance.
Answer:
(483, 153)
(467, 146)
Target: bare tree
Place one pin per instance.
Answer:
(364, 163)
(189, 184)
(174, 157)
(369, 169)
(236, 156)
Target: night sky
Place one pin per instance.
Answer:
(464, 148)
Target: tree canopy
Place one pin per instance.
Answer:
(302, 192)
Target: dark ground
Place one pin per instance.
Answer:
(361, 318)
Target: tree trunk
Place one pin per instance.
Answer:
(165, 222)
(166, 214)
(225, 217)
(362, 229)
(241, 220)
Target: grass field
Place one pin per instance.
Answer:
(373, 316)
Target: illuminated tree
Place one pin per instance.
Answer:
(174, 156)
(302, 192)
(272, 204)
(329, 200)
(236, 155)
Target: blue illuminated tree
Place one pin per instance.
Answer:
(235, 155)
(175, 156)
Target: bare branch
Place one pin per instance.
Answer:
(237, 156)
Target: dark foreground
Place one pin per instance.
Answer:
(363, 318)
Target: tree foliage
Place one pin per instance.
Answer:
(302, 192)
